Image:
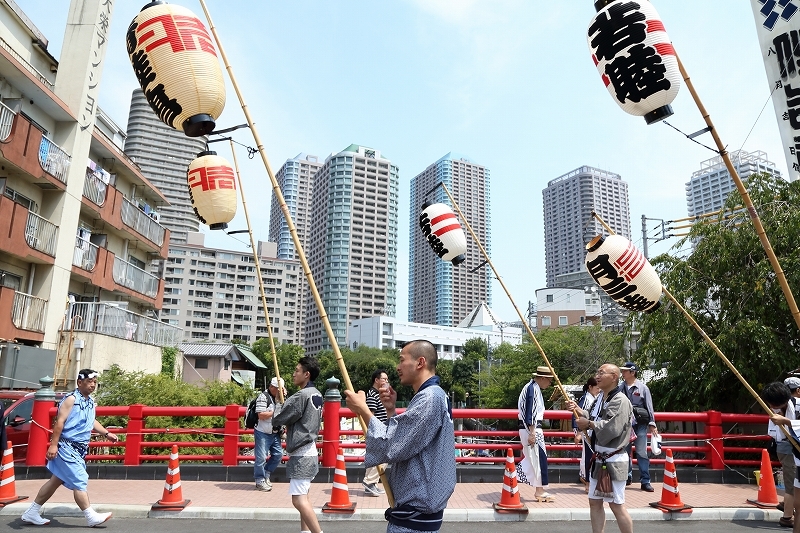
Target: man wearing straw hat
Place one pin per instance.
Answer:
(608, 420)
(532, 469)
(418, 444)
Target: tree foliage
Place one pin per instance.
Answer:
(728, 285)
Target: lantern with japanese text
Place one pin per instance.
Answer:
(624, 273)
(212, 189)
(635, 58)
(443, 232)
(176, 64)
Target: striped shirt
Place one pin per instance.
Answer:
(374, 404)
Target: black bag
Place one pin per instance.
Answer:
(642, 415)
(251, 417)
(773, 449)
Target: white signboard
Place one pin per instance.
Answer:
(778, 27)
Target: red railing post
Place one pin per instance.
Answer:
(133, 435)
(330, 422)
(716, 448)
(230, 449)
(39, 437)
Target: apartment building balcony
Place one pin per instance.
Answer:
(21, 316)
(29, 150)
(143, 224)
(109, 319)
(94, 189)
(85, 255)
(26, 235)
(134, 278)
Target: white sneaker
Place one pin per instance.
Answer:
(264, 486)
(32, 517)
(97, 518)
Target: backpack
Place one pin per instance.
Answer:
(251, 417)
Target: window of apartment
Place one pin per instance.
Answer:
(545, 321)
(12, 281)
(562, 321)
(201, 362)
(549, 298)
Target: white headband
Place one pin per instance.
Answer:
(90, 375)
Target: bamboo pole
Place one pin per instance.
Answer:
(257, 260)
(293, 231)
(713, 345)
(762, 236)
(503, 285)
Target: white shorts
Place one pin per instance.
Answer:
(300, 487)
(619, 491)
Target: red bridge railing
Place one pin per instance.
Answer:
(708, 447)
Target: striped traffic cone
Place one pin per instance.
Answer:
(340, 497)
(767, 494)
(509, 496)
(172, 499)
(670, 497)
(8, 490)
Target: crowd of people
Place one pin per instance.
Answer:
(611, 419)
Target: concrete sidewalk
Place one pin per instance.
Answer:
(471, 502)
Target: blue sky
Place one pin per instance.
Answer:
(508, 83)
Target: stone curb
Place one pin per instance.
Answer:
(721, 514)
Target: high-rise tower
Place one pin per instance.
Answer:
(352, 245)
(438, 292)
(296, 181)
(164, 154)
(568, 204)
(710, 186)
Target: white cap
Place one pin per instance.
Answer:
(274, 382)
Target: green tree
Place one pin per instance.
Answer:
(729, 287)
(287, 354)
(168, 356)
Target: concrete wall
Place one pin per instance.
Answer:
(102, 351)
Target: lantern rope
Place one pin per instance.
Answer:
(690, 138)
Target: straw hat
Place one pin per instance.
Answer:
(543, 372)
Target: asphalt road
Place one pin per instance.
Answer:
(237, 526)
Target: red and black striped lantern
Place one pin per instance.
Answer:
(635, 58)
(441, 228)
(624, 273)
(212, 189)
(174, 59)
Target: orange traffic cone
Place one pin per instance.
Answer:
(8, 490)
(670, 497)
(340, 497)
(767, 495)
(172, 499)
(509, 496)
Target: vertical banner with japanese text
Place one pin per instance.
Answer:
(778, 28)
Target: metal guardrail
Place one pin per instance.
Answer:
(94, 188)
(41, 234)
(85, 255)
(107, 319)
(28, 312)
(137, 219)
(30, 68)
(6, 121)
(53, 159)
(135, 278)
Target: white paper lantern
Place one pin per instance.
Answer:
(212, 189)
(624, 273)
(441, 228)
(635, 57)
(174, 59)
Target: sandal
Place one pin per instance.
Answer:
(786, 521)
(545, 497)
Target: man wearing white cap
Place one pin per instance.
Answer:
(533, 466)
(267, 437)
(786, 407)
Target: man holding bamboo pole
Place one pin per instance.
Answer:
(608, 420)
(418, 444)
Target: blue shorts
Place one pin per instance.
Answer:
(70, 468)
